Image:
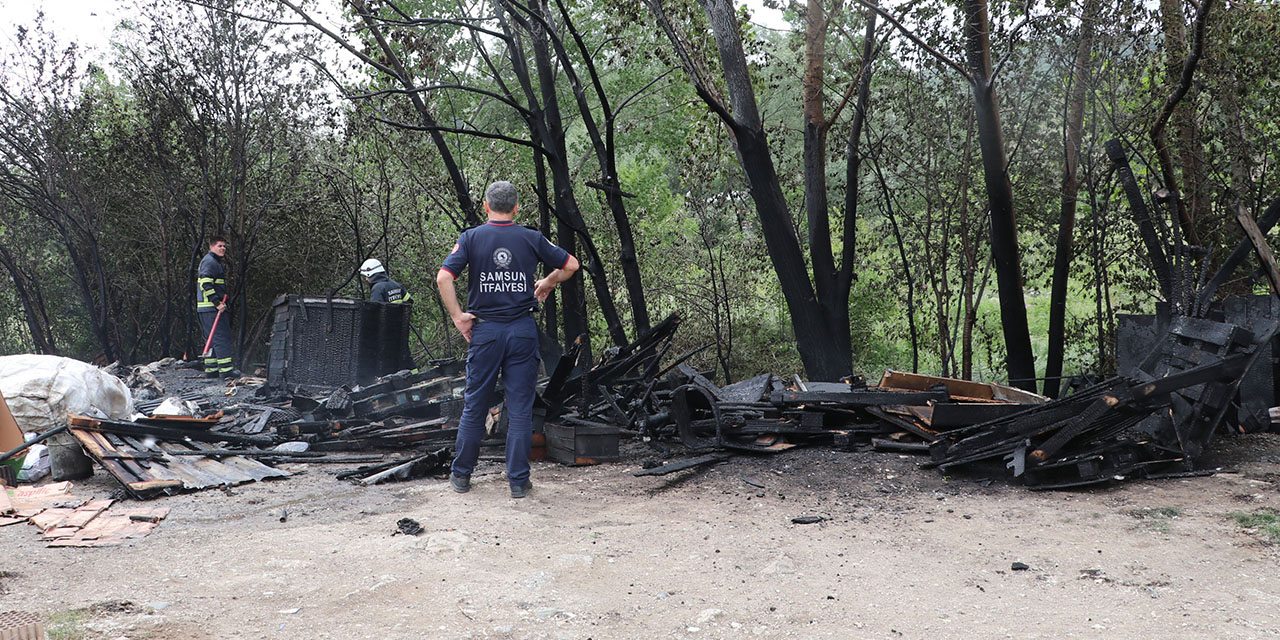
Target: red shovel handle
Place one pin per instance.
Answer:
(209, 342)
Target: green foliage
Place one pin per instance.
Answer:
(1156, 513)
(208, 123)
(1264, 523)
(68, 625)
(1156, 518)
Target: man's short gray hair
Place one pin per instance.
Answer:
(501, 196)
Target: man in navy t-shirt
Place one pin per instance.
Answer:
(501, 259)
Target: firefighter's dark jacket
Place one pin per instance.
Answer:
(211, 283)
(386, 290)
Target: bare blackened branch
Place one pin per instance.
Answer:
(342, 42)
(1171, 103)
(462, 131)
(639, 91)
(701, 85)
(1012, 32)
(943, 58)
(281, 23)
(434, 87)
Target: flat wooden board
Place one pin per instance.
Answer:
(957, 388)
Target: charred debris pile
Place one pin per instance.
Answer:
(1154, 420)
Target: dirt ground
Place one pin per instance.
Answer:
(595, 552)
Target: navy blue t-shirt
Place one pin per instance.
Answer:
(501, 259)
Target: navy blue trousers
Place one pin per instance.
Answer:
(219, 358)
(509, 349)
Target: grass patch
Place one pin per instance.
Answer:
(1156, 518)
(1156, 513)
(1263, 522)
(68, 625)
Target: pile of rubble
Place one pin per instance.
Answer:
(1153, 421)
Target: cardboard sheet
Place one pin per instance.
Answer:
(10, 434)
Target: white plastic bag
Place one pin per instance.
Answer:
(43, 390)
(36, 464)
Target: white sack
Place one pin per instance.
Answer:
(42, 390)
(173, 406)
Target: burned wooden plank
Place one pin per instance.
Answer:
(139, 485)
(269, 453)
(1242, 251)
(884, 444)
(750, 390)
(700, 380)
(1138, 207)
(1259, 241)
(162, 433)
(902, 423)
(959, 389)
(416, 467)
(122, 457)
(672, 467)
(260, 422)
(952, 415)
(857, 398)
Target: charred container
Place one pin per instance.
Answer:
(334, 342)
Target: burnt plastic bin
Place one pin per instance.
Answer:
(336, 342)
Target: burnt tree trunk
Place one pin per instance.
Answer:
(605, 148)
(1182, 71)
(572, 293)
(969, 271)
(1193, 206)
(819, 350)
(1019, 358)
(815, 176)
(1070, 190)
(853, 164)
(550, 324)
(566, 203)
(24, 286)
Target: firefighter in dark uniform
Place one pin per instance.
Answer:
(211, 294)
(387, 291)
(381, 287)
(500, 259)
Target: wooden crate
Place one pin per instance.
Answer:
(579, 445)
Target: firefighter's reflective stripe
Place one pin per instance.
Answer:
(402, 300)
(206, 292)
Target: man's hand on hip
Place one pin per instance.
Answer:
(464, 322)
(542, 288)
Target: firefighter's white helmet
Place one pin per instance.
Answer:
(370, 267)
